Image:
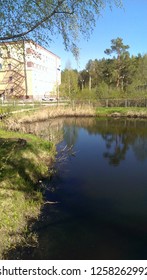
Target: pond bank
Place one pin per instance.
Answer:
(126, 112)
(93, 195)
(25, 159)
(14, 122)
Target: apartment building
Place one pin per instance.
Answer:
(28, 70)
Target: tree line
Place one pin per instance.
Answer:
(116, 76)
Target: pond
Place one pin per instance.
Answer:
(99, 193)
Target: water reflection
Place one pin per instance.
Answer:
(140, 148)
(118, 135)
(101, 192)
(51, 130)
(70, 135)
(116, 148)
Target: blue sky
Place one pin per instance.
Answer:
(128, 23)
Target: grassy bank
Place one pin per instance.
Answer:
(129, 112)
(24, 160)
(15, 121)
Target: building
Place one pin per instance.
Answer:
(28, 70)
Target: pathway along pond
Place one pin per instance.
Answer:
(101, 190)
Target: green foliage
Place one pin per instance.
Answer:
(123, 76)
(117, 47)
(87, 94)
(5, 110)
(40, 20)
(102, 90)
(122, 54)
(69, 86)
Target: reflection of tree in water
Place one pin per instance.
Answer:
(70, 135)
(50, 130)
(116, 145)
(65, 148)
(119, 135)
(140, 148)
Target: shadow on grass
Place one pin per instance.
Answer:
(22, 165)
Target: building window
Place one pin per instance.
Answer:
(10, 78)
(30, 64)
(29, 51)
(9, 66)
(11, 90)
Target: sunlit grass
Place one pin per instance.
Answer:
(24, 160)
(122, 111)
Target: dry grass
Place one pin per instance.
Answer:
(140, 113)
(15, 122)
(54, 112)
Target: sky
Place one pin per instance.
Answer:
(128, 23)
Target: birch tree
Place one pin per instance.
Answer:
(43, 19)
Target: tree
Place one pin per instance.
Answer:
(69, 86)
(141, 65)
(41, 19)
(83, 79)
(118, 48)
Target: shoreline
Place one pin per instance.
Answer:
(20, 172)
(25, 160)
(76, 111)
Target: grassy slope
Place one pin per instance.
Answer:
(122, 111)
(22, 163)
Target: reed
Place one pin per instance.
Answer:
(14, 122)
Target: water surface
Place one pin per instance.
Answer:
(101, 190)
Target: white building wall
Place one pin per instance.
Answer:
(44, 67)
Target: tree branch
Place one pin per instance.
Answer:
(46, 18)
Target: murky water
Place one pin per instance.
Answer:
(100, 191)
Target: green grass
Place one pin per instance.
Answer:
(8, 109)
(122, 111)
(24, 160)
